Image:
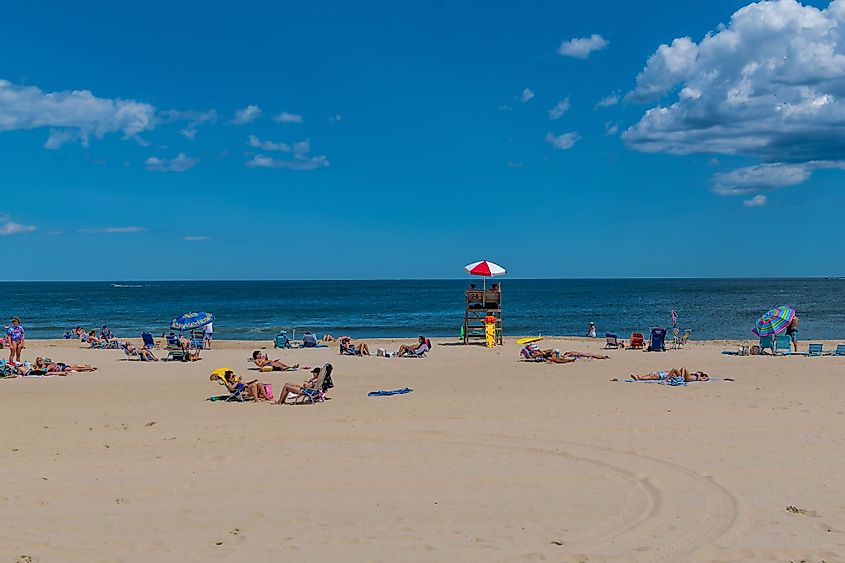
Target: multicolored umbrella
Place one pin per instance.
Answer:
(774, 322)
(485, 268)
(190, 321)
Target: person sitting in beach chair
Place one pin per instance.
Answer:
(414, 351)
(310, 391)
(105, 334)
(263, 362)
(253, 389)
(674, 372)
(349, 348)
(143, 354)
(309, 340)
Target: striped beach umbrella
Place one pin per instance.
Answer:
(774, 322)
(485, 268)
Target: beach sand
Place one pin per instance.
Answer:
(489, 459)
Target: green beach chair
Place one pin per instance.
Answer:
(767, 342)
(783, 345)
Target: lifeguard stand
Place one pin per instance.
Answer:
(479, 304)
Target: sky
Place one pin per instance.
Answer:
(337, 140)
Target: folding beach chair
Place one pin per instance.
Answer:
(281, 340)
(134, 355)
(766, 342)
(236, 395)
(840, 350)
(317, 394)
(418, 352)
(612, 341)
(197, 340)
(637, 341)
(657, 343)
(815, 350)
(149, 341)
(783, 345)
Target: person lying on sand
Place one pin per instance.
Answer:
(261, 360)
(350, 348)
(674, 372)
(309, 387)
(254, 388)
(60, 367)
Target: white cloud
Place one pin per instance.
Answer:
(196, 238)
(286, 117)
(180, 163)
(9, 227)
(504, 108)
(74, 115)
(607, 101)
(268, 145)
(194, 119)
(582, 47)
(246, 115)
(526, 95)
(611, 128)
(563, 142)
(756, 201)
(560, 108)
(261, 161)
(768, 85)
(515, 164)
(113, 230)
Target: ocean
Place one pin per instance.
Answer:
(711, 308)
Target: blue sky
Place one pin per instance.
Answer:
(385, 140)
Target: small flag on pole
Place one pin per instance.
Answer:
(674, 318)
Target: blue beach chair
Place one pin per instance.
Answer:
(658, 340)
(767, 342)
(783, 345)
(149, 341)
(815, 350)
(612, 341)
(840, 350)
(281, 340)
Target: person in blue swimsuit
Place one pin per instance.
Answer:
(17, 340)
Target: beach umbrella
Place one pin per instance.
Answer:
(774, 322)
(486, 269)
(190, 321)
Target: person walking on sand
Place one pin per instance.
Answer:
(591, 330)
(17, 340)
(792, 333)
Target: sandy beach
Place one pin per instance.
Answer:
(489, 459)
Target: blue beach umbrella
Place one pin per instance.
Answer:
(190, 321)
(774, 322)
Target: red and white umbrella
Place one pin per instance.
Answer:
(485, 268)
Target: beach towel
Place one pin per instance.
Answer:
(676, 381)
(389, 393)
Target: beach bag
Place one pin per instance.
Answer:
(268, 388)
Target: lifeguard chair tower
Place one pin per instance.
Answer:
(481, 303)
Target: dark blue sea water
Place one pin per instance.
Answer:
(725, 308)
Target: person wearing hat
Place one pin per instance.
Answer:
(307, 388)
(591, 330)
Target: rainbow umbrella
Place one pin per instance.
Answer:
(774, 322)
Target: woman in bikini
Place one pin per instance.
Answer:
(254, 388)
(309, 387)
(674, 372)
(60, 367)
(261, 360)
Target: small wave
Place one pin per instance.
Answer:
(124, 285)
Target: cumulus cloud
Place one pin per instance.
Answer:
(560, 108)
(72, 114)
(526, 95)
(563, 142)
(769, 85)
(607, 101)
(180, 163)
(261, 161)
(756, 201)
(112, 230)
(582, 47)
(9, 227)
(246, 115)
(286, 117)
(268, 145)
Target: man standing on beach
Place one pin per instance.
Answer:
(792, 333)
(207, 335)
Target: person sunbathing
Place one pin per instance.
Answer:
(60, 367)
(422, 346)
(254, 388)
(349, 348)
(578, 355)
(307, 388)
(261, 360)
(144, 354)
(674, 372)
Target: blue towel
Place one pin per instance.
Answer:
(388, 393)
